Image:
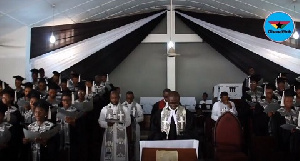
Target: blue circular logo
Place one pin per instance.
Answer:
(279, 26)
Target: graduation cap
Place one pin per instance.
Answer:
(64, 80)
(9, 92)
(81, 86)
(255, 78)
(34, 71)
(53, 86)
(289, 93)
(42, 80)
(270, 86)
(272, 107)
(282, 74)
(20, 78)
(56, 73)
(281, 80)
(75, 75)
(28, 85)
(35, 94)
(41, 70)
(4, 85)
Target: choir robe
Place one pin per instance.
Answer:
(114, 144)
(5, 139)
(55, 104)
(137, 116)
(75, 142)
(48, 152)
(14, 117)
(189, 131)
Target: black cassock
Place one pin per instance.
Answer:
(189, 132)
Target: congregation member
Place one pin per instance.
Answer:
(223, 106)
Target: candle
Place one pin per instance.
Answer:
(68, 84)
(47, 88)
(79, 78)
(107, 78)
(49, 113)
(299, 120)
(86, 91)
(3, 85)
(15, 96)
(59, 81)
(73, 98)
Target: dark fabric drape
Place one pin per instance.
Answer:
(251, 26)
(239, 56)
(73, 33)
(107, 59)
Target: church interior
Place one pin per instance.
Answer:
(114, 79)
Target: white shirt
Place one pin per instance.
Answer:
(219, 107)
(139, 116)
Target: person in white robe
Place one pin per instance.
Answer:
(223, 106)
(137, 116)
(114, 118)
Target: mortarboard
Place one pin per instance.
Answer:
(20, 78)
(34, 71)
(28, 84)
(56, 73)
(281, 80)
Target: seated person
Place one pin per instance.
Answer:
(173, 122)
(222, 106)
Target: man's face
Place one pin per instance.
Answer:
(81, 94)
(63, 85)
(34, 76)
(269, 93)
(251, 71)
(298, 92)
(52, 93)
(98, 78)
(27, 91)
(129, 98)
(204, 97)
(281, 86)
(88, 83)
(6, 99)
(75, 80)
(103, 78)
(288, 102)
(55, 78)
(174, 102)
(253, 85)
(42, 86)
(18, 83)
(40, 114)
(114, 98)
(31, 102)
(66, 101)
(224, 98)
(42, 74)
(166, 95)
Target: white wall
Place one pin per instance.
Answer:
(13, 58)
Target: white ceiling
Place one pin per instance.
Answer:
(32, 13)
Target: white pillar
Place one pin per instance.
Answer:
(27, 58)
(171, 63)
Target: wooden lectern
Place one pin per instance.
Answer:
(185, 149)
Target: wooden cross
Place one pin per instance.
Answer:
(121, 116)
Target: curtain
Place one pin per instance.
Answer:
(267, 57)
(63, 58)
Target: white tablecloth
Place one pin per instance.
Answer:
(169, 144)
(148, 102)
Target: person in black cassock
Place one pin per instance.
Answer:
(173, 122)
(5, 135)
(14, 117)
(73, 130)
(42, 148)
